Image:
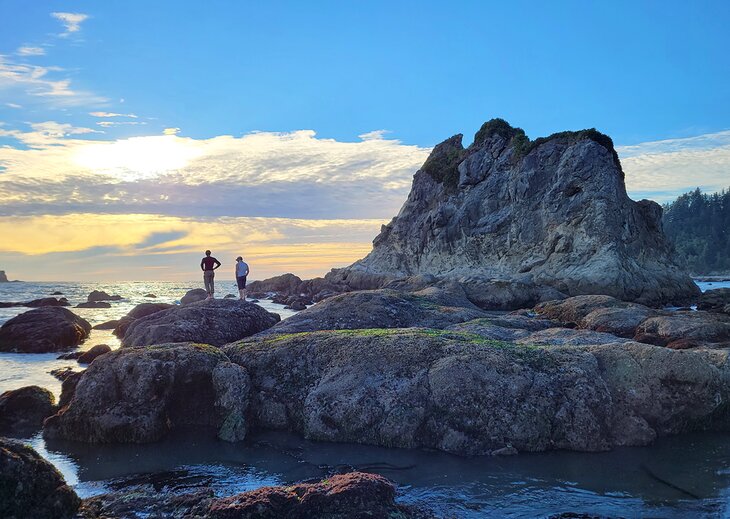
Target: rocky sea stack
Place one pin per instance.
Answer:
(549, 213)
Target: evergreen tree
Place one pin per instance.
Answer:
(699, 226)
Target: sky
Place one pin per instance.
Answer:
(134, 135)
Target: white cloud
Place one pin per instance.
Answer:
(111, 114)
(13, 105)
(71, 21)
(31, 51)
(171, 131)
(34, 83)
(109, 124)
(661, 170)
(260, 174)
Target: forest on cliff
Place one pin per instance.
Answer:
(699, 226)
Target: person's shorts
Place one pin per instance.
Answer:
(241, 282)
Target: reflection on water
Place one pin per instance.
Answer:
(673, 478)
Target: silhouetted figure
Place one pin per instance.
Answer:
(208, 265)
(241, 273)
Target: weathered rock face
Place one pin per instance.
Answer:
(25, 409)
(136, 395)
(216, 322)
(434, 307)
(552, 212)
(461, 393)
(32, 487)
(43, 330)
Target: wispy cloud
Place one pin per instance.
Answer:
(171, 131)
(35, 83)
(661, 170)
(109, 124)
(31, 51)
(13, 105)
(71, 21)
(111, 114)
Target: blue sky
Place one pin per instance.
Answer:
(347, 99)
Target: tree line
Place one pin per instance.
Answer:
(699, 226)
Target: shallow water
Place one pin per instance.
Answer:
(685, 476)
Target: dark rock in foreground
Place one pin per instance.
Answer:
(191, 296)
(108, 325)
(43, 330)
(342, 496)
(25, 409)
(215, 321)
(464, 394)
(715, 300)
(30, 487)
(100, 295)
(136, 395)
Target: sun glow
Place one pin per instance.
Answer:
(138, 158)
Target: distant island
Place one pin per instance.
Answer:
(3, 277)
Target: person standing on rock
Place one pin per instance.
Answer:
(241, 273)
(208, 265)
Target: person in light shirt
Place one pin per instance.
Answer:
(241, 273)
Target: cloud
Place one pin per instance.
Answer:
(13, 105)
(149, 246)
(71, 21)
(34, 83)
(31, 51)
(109, 124)
(111, 114)
(661, 170)
(295, 175)
(171, 131)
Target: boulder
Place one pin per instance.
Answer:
(63, 373)
(151, 296)
(3, 277)
(461, 393)
(25, 409)
(435, 307)
(136, 395)
(714, 300)
(88, 356)
(355, 494)
(286, 284)
(296, 305)
(549, 212)
(191, 296)
(30, 487)
(37, 303)
(506, 294)
(57, 293)
(100, 295)
(702, 327)
(107, 325)
(141, 310)
(94, 304)
(43, 330)
(215, 321)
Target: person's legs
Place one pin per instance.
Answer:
(212, 284)
(241, 281)
(208, 279)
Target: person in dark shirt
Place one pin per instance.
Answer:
(208, 265)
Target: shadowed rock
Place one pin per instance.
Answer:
(141, 310)
(100, 295)
(30, 487)
(136, 395)
(43, 330)
(25, 409)
(37, 303)
(94, 304)
(88, 356)
(715, 300)
(216, 322)
(191, 296)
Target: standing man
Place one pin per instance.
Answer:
(208, 265)
(241, 273)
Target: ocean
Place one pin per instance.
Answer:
(681, 476)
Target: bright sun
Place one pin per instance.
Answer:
(138, 157)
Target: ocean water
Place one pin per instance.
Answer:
(677, 477)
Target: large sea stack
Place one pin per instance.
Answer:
(552, 212)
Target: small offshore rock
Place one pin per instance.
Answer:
(100, 295)
(43, 330)
(151, 296)
(94, 304)
(25, 409)
(88, 356)
(108, 325)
